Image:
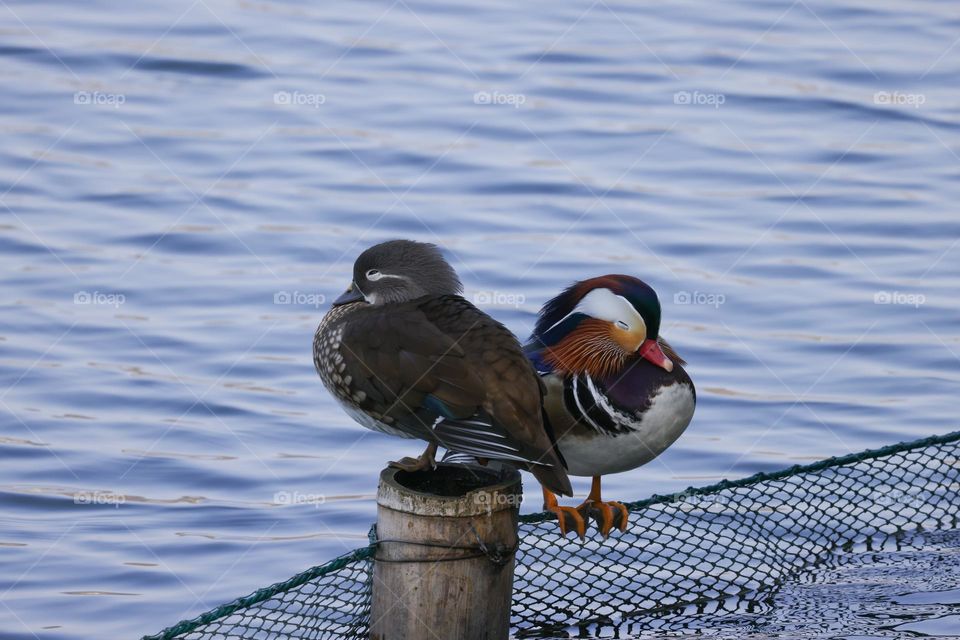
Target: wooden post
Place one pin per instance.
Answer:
(445, 552)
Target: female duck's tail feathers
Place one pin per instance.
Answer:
(553, 477)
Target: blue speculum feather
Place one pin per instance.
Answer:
(534, 351)
(436, 405)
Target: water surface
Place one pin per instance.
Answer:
(186, 184)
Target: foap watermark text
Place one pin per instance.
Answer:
(515, 100)
(299, 99)
(699, 98)
(100, 498)
(111, 299)
(899, 297)
(699, 297)
(300, 298)
(899, 99)
(99, 99)
(296, 497)
(498, 299)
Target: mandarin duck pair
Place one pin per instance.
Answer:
(595, 391)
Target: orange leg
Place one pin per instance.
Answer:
(567, 517)
(607, 514)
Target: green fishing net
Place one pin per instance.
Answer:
(703, 545)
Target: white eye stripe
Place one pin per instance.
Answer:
(604, 304)
(375, 274)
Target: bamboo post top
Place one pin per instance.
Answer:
(446, 544)
(450, 490)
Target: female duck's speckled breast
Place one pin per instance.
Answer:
(327, 359)
(329, 362)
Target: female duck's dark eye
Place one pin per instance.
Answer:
(373, 274)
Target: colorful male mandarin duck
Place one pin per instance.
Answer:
(406, 355)
(617, 395)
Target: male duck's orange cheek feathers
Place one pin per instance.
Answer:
(629, 339)
(590, 349)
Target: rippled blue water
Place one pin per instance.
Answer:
(183, 182)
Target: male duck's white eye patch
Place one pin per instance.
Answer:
(374, 274)
(604, 304)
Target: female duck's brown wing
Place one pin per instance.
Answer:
(396, 360)
(440, 369)
(514, 391)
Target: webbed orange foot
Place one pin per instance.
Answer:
(607, 515)
(568, 518)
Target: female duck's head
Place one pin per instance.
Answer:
(398, 271)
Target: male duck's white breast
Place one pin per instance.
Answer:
(641, 439)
